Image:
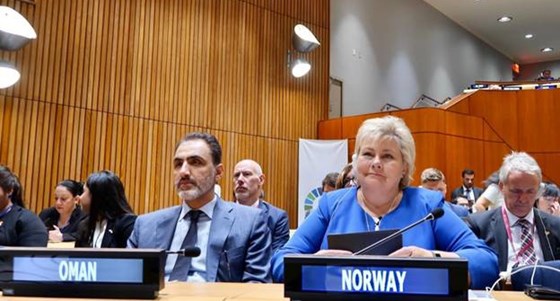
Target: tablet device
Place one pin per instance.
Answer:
(356, 241)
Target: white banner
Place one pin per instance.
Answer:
(317, 158)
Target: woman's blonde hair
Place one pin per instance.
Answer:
(393, 128)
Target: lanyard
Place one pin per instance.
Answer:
(510, 237)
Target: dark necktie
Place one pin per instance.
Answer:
(468, 194)
(183, 264)
(527, 251)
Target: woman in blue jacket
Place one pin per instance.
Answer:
(383, 165)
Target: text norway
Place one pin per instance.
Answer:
(373, 280)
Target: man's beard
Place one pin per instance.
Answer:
(197, 190)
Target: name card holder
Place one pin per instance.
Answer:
(312, 277)
(91, 273)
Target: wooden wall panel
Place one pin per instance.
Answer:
(500, 111)
(113, 84)
(538, 131)
(445, 139)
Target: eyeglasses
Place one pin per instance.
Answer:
(550, 199)
(350, 182)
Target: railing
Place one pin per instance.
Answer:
(425, 101)
(389, 107)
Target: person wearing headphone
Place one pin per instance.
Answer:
(519, 233)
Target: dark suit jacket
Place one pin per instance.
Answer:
(116, 234)
(50, 217)
(490, 227)
(277, 220)
(460, 192)
(238, 245)
(22, 228)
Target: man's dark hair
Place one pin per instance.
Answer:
(212, 142)
(330, 179)
(467, 171)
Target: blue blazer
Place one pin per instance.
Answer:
(339, 212)
(238, 247)
(277, 220)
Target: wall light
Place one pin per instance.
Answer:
(8, 74)
(299, 66)
(303, 41)
(15, 31)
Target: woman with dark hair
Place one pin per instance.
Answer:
(548, 202)
(18, 226)
(110, 219)
(63, 218)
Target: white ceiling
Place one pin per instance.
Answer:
(539, 17)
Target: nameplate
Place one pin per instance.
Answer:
(67, 269)
(310, 277)
(97, 273)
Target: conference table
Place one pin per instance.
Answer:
(238, 292)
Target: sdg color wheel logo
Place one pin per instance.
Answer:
(311, 199)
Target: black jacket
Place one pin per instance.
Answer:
(21, 227)
(50, 217)
(116, 234)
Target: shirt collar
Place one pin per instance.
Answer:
(255, 204)
(513, 219)
(208, 208)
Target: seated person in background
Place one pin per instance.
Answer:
(548, 202)
(329, 182)
(434, 179)
(62, 220)
(491, 197)
(463, 202)
(383, 165)
(519, 233)
(110, 219)
(18, 226)
(346, 178)
(248, 180)
(545, 75)
(234, 240)
(467, 190)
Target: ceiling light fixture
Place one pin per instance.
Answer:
(529, 36)
(547, 49)
(505, 19)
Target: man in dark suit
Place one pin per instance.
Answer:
(519, 233)
(234, 240)
(467, 190)
(248, 180)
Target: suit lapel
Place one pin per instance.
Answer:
(222, 221)
(166, 228)
(501, 239)
(543, 236)
(263, 206)
(108, 235)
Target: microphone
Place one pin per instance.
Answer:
(187, 252)
(435, 214)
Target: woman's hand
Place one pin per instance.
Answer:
(419, 252)
(55, 235)
(412, 252)
(333, 252)
(555, 209)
